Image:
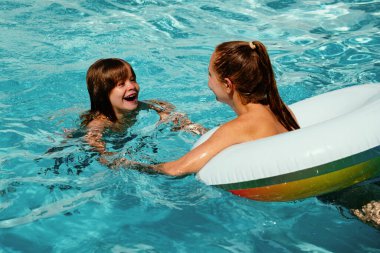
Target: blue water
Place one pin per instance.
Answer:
(66, 201)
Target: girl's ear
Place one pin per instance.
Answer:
(228, 84)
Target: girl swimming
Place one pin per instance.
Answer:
(114, 93)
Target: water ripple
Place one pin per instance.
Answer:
(50, 210)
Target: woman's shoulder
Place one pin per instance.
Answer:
(250, 127)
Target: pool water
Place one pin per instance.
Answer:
(54, 194)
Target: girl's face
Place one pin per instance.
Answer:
(124, 97)
(214, 84)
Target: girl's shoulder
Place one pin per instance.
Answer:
(99, 123)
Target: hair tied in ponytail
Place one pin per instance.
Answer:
(251, 45)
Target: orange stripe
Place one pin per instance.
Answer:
(313, 186)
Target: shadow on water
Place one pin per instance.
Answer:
(354, 198)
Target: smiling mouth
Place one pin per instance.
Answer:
(131, 98)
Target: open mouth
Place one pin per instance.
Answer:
(131, 98)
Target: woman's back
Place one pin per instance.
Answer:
(257, 122)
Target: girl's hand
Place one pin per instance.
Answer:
(181, 120)
(183, 123)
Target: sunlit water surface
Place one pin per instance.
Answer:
(66, 201)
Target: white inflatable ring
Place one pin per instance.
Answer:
(337, 146)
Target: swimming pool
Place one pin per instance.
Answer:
(65, 201)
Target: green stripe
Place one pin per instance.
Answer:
(372, 155)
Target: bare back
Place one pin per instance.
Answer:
(256, 124)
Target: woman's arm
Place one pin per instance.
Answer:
(228, 134)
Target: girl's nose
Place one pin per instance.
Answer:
(132, 85)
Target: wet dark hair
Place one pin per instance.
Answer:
(248, 66)
(102, 77)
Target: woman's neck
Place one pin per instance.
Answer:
(241, 109)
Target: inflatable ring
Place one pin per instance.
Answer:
(337, 146)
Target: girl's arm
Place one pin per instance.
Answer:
(94, 135)
(164, 109)
(180, 120)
